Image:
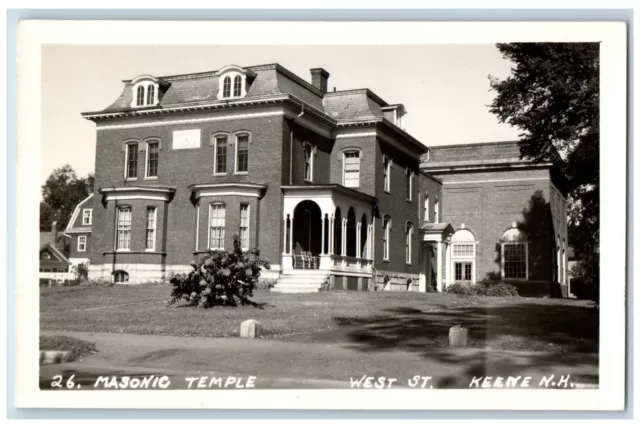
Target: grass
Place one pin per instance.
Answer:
(381, 320)
(78, 349)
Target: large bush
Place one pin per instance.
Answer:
(220, 278)
(500, 289)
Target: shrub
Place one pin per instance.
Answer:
(491, 290)
(265, 284)
(501, 289)
(465, 289)
(220, 278)
(81, 271)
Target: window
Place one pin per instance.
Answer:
(463, 250)
(237, 86)
(515, 255)
(151, 93)
(216, 226)
(226, 91)
(386, 169)
(244, 226)
(120, 276)
(308, 162)
(152, 158)
(140, 96)
(131, 170)
(124, 228)
(409, 184)
(425, 215)
(463, 271)
(220, 155)
(242, 153)
(151, 228)
(436, 212)
(386, 225)
(351, 165)
(82, 243)
(87, 215)
(408, 243)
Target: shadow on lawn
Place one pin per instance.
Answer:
(518, 326)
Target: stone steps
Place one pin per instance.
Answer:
(303, 281)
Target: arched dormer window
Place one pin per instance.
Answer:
(233, 82)
(237, 86)
(151, 95)
(146, 90)
(514, 254)
(140, 96)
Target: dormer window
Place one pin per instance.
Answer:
(394, 113)
(233, 82)
(146, 91)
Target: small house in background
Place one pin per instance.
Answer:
(54, 264)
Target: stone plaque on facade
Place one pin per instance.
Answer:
(186, 139)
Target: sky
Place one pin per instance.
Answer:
(445, 88)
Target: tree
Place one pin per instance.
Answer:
(552, 96)
(62, 191)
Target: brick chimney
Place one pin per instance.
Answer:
(320, 78)
(54, 232)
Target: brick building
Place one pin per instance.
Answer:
(329, 185)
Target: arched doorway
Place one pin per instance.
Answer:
(337, 233)
(351, 233)
(364, 233)
(307, 228)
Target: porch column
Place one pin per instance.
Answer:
(343, 238)
(291, 236)
(325, 258)
(439, 269)
(287, 262)
(358, 240)
(331, 236)
(448, 263)
(422, 281)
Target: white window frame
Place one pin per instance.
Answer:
(426, 215)
(117, 237)
(127, 146)
(145, 84)
(408, 249)
(386, 172)
(84, 212)
(344, 166)
(436, 211)
(409, 177)
(232, 76)
(526, 259)
(312, 152)
(146, 159)
(235, 157)
(248, 227)
(223, 228)
(155, 229)
(82, 243)
(215, 154)
(386, 238)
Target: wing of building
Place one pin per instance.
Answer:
(329, 185)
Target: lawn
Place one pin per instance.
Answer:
(370, 321)
(78, 349)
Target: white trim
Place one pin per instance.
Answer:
(197, 224)
(127, 145)
(224, 189)
(436, 211)
(155, 229)
(426, 213)
(146, 158)
(215, 152)
(235, 156)
(129, 193)
(408, 239)
(75, 213)
(231, 72)
(224, 227)
(387, 178)
(144, 82)
(205, 119)
(386, 238)
(496, 181)
(526, 258)
(312, 154)
(85, 244)
(248, 225)
(90, 210)
(344, 164)
(355, 135)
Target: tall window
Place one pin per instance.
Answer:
(515, 255)
(436, 212)
(237, 86)
(151, 228)
(152, 158)
(132, 161)
(151, 94)
(216, 226)
(220, 155)
(409, 185)
(87, 215)
(124, 228)
(386, 225)
(463, 255)
(408, 243)
(386, 170)
(242, 153)
(82, 243)
(140, 96)
(351, 165)
(425, 215)
(308, 162)
(244, 226)
(226, 91)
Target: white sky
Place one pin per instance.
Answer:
(445, 88)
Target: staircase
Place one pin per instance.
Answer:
(300, 281)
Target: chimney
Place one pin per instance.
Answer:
(54, 232)
(320, 78)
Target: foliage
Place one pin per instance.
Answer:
(220, 278)
(500, 289)
(62, 191)
(77, 348)
(81, 271)
(582, 285)
(552, 96)
(265, 284)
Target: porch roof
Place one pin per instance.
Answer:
(436, 227)
(347, 191)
